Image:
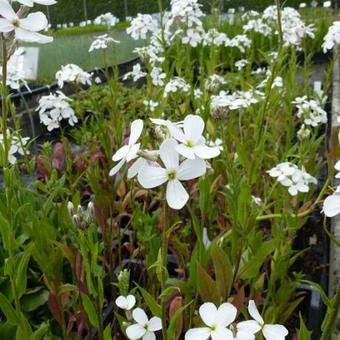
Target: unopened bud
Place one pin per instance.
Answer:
(70, 208)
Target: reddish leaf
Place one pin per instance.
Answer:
(55, 309)
(58, 161)
(43, 168)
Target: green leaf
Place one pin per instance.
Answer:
(107, 333)
(251, 269)
(40, 332)
(324, 296)
(223, 269)
(151, 302)
(8, 310)
(304, 333)
(173, 322)
(206, 286)
(33, 300)
(21, 278)
(90, 310)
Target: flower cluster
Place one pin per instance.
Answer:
(135, 74)
(176, 84)
(332, 38)
(310, 111)
(107, 19)
(219, 324)
(183, 153)
(289, 175)
(54, 108)
(141, 26)
(235, 101)
(17, 144)
(81, 217)
(102, 42)
(73, 74)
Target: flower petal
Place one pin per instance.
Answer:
(331, 205)
(169, 155)
(193, 127)
(117, 167)
(274, 332)
(249, 326)
(206, 152)
(202, 333)
(132, 153)
(131, 301)
(190, 169)
(6, 26)
(176, 195)
(225, 315)
(28, 36)
(34, 22)
(222, 334)
(149, 336)
(136, 167)
(208, 313)
(139, 316)
(135, 331)
(120, 153)
(155, 324)
(121, 302)
(136, 131)
(253, 311)
(185, 151)
(152, 176)
(7, 11)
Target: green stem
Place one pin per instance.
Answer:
(279, 24)
(4, 94)
(330, 326)
(164, 254)
(303, 214)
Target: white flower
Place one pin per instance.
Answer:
(54, 108)
(25, 29)
(311, 111)
(240, 64)
(327, 4)
(107, 19)
(270, 332)
(331, 205)
(143, 328)
(157, 76)
(73, 73)
(128, 152)
(192, 140)
(176, 84)
(216, 321)
(17, 144)
(136, 73)
(141, 26)
(126, 303)
(102, 42)
(290, 176)
(150, 105)
(332, 38)
(152, 176)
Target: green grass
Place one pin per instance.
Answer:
(72, 48)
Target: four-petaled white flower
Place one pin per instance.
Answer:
(151, 176)
(143, 328)
(25, 29)
(216, 321)
(128, 152)
(269, 331)
(126, 303)
(192, 140)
